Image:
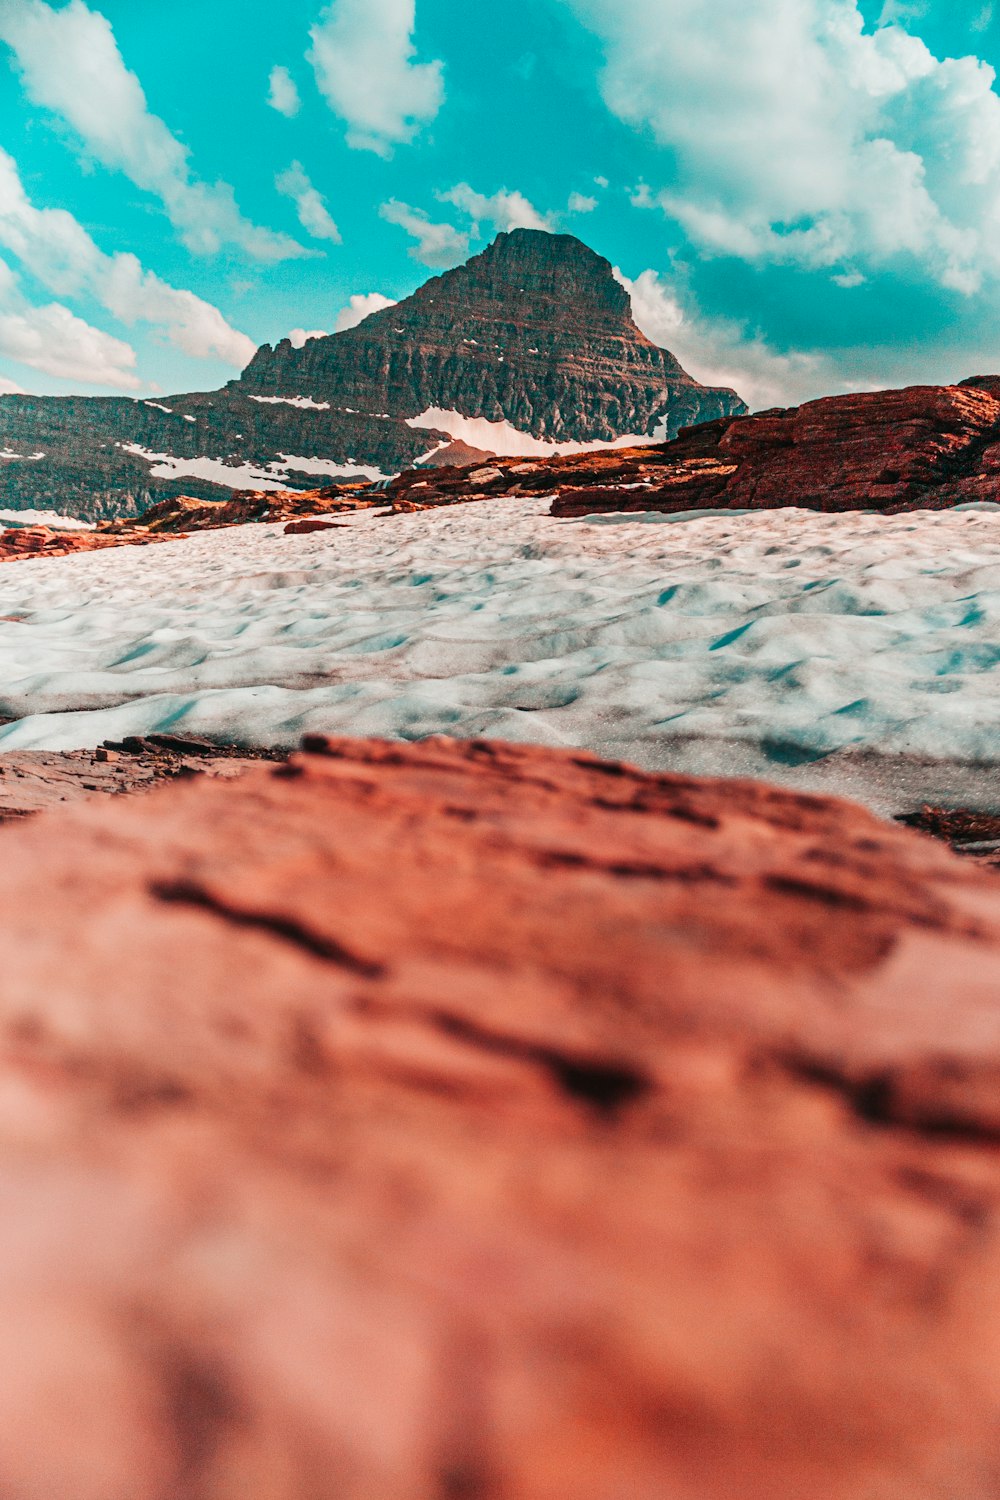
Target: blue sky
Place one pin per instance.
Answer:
(803, 194)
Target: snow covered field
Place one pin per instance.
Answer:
(851, 652)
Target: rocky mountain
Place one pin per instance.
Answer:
(535, 333)
(528, 347)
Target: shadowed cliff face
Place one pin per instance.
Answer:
(535, 332)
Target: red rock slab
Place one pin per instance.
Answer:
(306, 528)
(20, 543)
(472, 1120)
(926, 447)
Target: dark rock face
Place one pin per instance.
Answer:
(453, 1121)
(535, 332)
(87, 469)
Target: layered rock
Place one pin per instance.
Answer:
(451, 1121)
(535, 333)
(109, 458)
(927, 447)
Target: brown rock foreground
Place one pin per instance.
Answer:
(474, 1121)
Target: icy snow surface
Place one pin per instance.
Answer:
(843, 651)
(14, 518)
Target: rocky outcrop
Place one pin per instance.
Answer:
(535, 332)
(35, 781)
(927, 447)
(24, 542)
(445, 1121)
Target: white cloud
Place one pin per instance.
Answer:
(438, 245)
(70, 64)
(503, 211)
(718, 351)
(796, 136)
(10, 387)
(58, 251)
(314, 216)
(283, 94)
(364, 56)
(579, 203)
(361, 306)
(54, 340)
(299, 337)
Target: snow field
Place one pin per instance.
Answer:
(788, 644)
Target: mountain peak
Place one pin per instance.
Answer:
(534, 332)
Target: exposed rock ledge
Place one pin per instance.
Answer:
(927, 447)
(476, 1121)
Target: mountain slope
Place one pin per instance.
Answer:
(529, 345)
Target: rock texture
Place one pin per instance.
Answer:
(927, 447)
(536, 331)
(37, 781)
(469, 1121)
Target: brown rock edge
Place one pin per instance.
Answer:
(33, 781)
(481, 1121)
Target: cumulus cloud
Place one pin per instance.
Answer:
(798, 136)
(70, 64)
(314, 216)
(58, 251)
(503, 211)
(54, 340)
(437, 245)
(364, 58)
(361, 306)
(719, 351)
(299, 337)
(579, 203)
(283, 94)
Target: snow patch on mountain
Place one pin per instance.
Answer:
(273, 476)
(304, 403)
(507, 441)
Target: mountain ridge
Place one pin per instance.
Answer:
(533, 337)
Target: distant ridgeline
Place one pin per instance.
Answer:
(529, 348)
